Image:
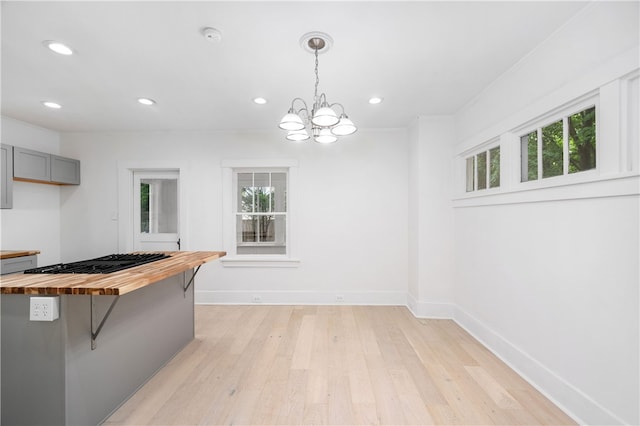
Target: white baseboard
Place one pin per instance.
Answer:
(571, 400)
(300, 298)
(421, 309)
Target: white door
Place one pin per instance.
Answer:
(155, 211)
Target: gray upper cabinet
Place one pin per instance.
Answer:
(6, 178)
(31, 165)
(38, 166)
(65, 170)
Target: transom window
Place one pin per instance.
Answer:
(562, 147)
(261, 212)
(483, 170)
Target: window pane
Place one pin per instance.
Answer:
(482, 170)
(245, 192)
(471, 172)
(261, 234)
(263, 192)
(261, 220)
(280, 229)
(263, 198)
(279, 186)
(552, 156)
(529, 157)
(494, 171)
(582, 141)
(246, 229)
(266, 232)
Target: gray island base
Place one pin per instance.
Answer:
(51, 375)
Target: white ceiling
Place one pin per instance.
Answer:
(423, 58)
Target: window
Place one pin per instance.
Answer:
(487, 165)
(261, 212)
(258, 224)
(562, 147)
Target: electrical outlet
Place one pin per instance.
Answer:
(44, 308)
(339, 298)
(256, 299)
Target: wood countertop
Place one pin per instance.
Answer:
(8, 254)
(113, 284)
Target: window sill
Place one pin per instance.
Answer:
(593, 186)
(259, 262)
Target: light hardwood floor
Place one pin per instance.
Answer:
(346, 365)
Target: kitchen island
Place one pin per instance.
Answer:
(113, 333)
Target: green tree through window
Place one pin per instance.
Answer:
(578, 140)
(582, 141)
(552, 140)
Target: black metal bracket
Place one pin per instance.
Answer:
(186, 287)
(94, 334)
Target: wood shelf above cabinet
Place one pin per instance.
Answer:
(40, 167)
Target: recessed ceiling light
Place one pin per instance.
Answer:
(146, 101)
(51, 105)
(375, 100)
(260, 101)
(58, 47)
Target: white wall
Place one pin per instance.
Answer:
(351, 212)
(34, 221)
(548, 278)
(430, 217)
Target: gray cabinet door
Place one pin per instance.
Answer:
(31, 165)
(6, 178)
(17, 264)
(65, 170)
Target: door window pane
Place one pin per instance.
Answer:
(144, 208)
(158, 206)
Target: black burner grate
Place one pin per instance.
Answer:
(100, 265)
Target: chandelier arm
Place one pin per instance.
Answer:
(298, 99)
(340, 105)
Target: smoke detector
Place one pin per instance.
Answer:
(212, 35)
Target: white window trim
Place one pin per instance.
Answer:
(484, 147)
(232, 259)
(617, 171)
(510, 158)
(561, 114)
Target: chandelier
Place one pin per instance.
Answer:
(323, 121)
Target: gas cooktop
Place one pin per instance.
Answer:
(100, 265)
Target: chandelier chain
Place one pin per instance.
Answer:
(315, 92)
